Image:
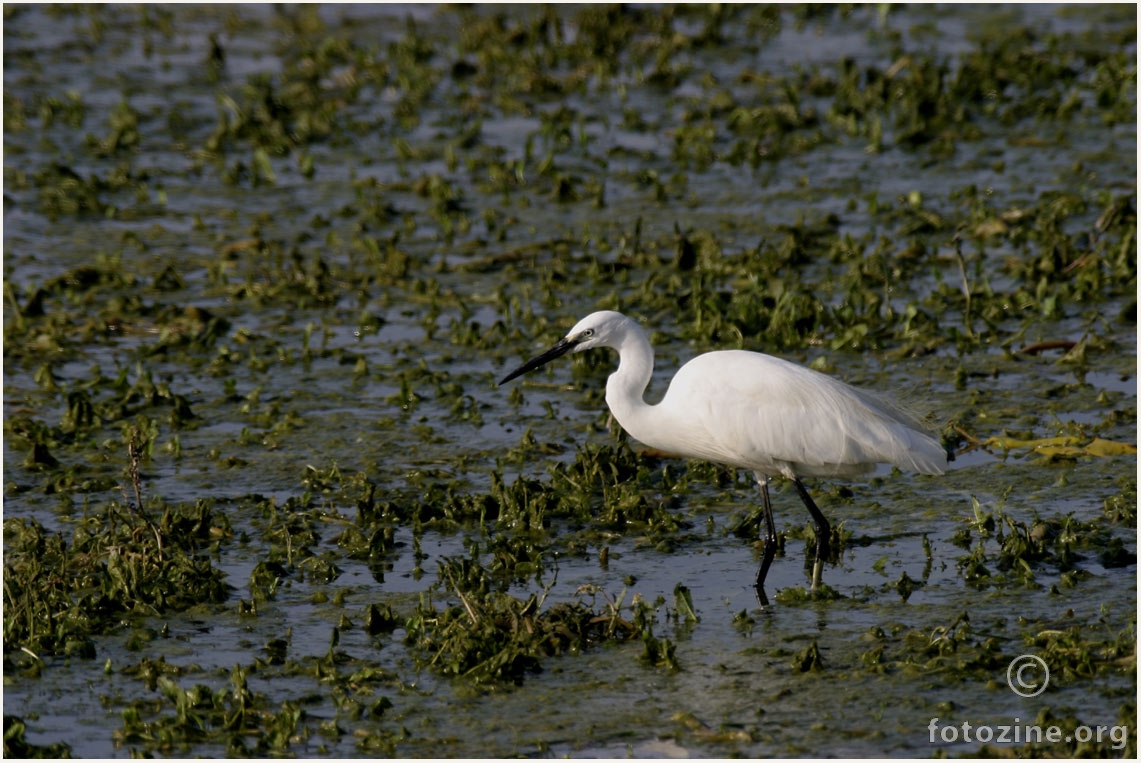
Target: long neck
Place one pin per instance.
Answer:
(625, 387)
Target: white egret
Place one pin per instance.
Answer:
(752, 411)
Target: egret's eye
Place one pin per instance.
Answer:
(588, 333)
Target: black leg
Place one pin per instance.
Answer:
(770, 538)
(823, 529)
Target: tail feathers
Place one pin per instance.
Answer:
(912, 446)
(924, 454)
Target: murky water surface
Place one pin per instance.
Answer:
(391, 206)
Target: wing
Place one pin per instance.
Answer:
(767, 414)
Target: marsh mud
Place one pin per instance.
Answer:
(262, 268)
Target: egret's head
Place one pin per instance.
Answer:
(601, 329)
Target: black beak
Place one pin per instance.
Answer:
(562, 347)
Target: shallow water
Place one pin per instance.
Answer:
(465, 221)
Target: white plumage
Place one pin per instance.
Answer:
(762, 413)
(752, 411)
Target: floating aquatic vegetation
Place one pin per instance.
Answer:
(492, 637)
